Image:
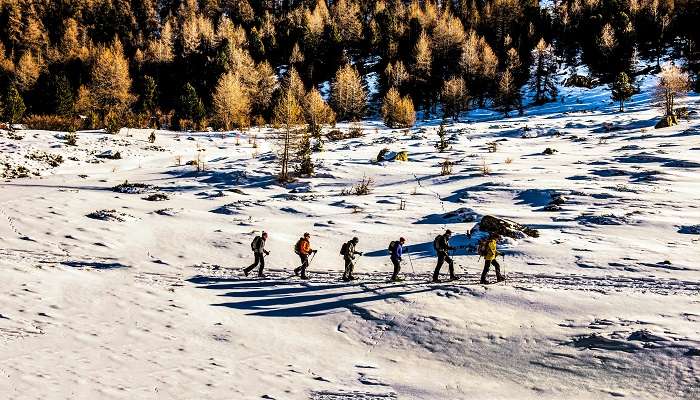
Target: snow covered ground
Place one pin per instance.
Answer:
(145, 299)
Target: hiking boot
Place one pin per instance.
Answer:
(454, 278)
(435, 280)
(296, 271)
(397, 279)
(500, 279)
(351, 278)
(484, 282)
(262, 276)
(246, 272)
(304, 277)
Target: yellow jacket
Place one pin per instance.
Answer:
(491, 252)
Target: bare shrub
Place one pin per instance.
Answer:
(362, 188)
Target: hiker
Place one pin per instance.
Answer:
(489, 251)
(258, 247)
(395, 254)
(303, 249)
(442, 247)
(348, 251)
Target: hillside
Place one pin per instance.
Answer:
(146, 299)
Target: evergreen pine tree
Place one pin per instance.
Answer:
(622, 89)
(64, 101)
(542, 81)
(149, 96)
(13, 106)
(191, 107)
(442, 144)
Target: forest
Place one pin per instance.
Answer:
(232, 64)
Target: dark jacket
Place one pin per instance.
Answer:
(259, 245)
(443, 244)
(397, 253)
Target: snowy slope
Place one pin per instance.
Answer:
(153, 305)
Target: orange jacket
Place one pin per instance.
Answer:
(305, 247)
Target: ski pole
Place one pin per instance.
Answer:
(411, 260)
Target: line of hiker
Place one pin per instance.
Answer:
(486, 248)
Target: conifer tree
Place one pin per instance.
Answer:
(454, 98)
(13, 107)
(63, 97)
(542, 82)
(672, 82)
(110, 81)
(191, 107)
(348, 95)
(231, 103)
(397, 111)
(149, 96)
(317, 113)
(509, 96)
(288, 114)
(622, 89)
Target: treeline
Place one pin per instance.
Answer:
(190, 64)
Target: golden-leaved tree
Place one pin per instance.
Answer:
(231, 102)
(110, 83)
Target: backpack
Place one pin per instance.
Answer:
(344, 249)
(436, 242)
(297, 247)
(392, 246)
(482, 248)
(255, 243)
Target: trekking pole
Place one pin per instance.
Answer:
(411, 260)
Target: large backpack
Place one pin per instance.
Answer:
(482, 248)
(255, 243)
(344, 249)
(392, 246)
(297, 247)
(436, 242)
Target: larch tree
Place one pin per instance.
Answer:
(231, 103)
(672, 82)
(454, 97)
(289, 115)
(317, 113)
(422, 71)
(397, 111)
(348, 95)
(27, 71)
(508, 97)
(110, 82)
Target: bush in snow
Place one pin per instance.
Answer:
(364, 187)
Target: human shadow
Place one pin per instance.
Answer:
(310, 301)
(279, 297)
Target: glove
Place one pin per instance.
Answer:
(361, 253)
(267, 253)
(315, 251)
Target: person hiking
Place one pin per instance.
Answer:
(489, 251)
(395, 254)
(348, 251)
(304, 250)
(258, 247)
(442, 247)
